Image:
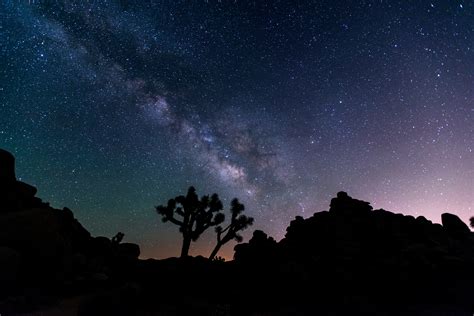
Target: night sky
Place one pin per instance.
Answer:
(112, 108)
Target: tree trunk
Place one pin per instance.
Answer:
(215, 251)
(185, 248)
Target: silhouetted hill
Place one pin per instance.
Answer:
(348, 260)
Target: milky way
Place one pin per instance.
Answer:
(112, 108)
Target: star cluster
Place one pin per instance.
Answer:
(111, 108)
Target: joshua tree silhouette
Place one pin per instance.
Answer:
(238, 223)
(197, 215)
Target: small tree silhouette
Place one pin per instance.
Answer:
(238, 223)
(472, 221)
(197, 215)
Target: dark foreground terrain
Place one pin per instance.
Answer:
(350, 260)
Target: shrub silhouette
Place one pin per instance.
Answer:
(197, 215)
(472, 221)
(238, 223)
(117, 239)
(218, 259)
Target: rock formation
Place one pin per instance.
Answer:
(14, 195)
(43, 246)
(352, 250)
(350, 260)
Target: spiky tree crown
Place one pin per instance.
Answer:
(238, 223)
(191, 214)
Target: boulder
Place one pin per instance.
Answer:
(129, 250)
(345, 204)
(7, 168)
(421, 220)
(454, 225)
(260, 248)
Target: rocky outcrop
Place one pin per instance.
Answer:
(375, 253)
(349, 260)
(351, 229)
(41, 245)
(344, 204)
